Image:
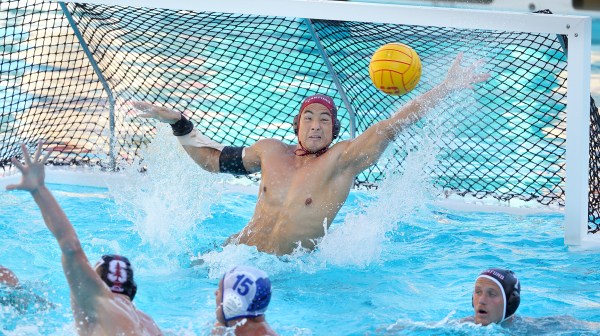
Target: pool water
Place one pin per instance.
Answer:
(393, 262)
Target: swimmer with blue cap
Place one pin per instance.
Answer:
(496, 296)
(242, 299)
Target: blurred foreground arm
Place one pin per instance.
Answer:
(84, 282)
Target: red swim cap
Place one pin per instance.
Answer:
(330, 105)
(323, 100)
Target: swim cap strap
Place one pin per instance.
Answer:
(302, 151)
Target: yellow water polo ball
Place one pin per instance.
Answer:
(395, 69)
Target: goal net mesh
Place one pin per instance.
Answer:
(241, 78)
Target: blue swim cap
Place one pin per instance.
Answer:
(246, 292)
(509, 285)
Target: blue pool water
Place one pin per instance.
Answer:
(392, 263)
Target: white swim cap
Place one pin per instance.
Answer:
(246, 293)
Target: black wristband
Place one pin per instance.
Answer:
(182, 127)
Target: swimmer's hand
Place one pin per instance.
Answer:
(32, 171)
(459, 77)
(159, 113)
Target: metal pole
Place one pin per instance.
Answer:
(111, 99)
(336, 80)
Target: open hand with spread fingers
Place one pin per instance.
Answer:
(159, 113)
(460, 77)
(32, 170)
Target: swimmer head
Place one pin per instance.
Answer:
(243, 292)
(117, 274)
(509, 287)
(325, 101)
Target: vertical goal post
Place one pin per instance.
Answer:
(576, 28)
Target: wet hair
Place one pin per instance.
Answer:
(117, 274)
(509, 285)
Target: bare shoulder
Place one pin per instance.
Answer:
(341, 145)
(269, 142)
(149, 325)
(116, 315)
(7, 277)
(340, 148)
(265, 329)
(269, 145)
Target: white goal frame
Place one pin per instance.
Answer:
(576, 28)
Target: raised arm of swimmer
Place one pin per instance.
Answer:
(366, 149)
(208, 154)
(97, 309)
(83, 281)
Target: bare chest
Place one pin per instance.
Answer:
(287, 182)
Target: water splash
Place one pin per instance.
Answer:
(166, 201)
(217, 263)
(359, 241)
(446, 326)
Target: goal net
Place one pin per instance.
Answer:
(69, 73)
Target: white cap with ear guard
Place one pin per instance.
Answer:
(246, 293)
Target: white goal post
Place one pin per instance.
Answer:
(576, 28)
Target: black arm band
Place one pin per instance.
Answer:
(230, 161)
(182, 127)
